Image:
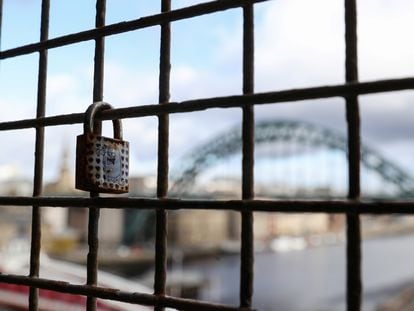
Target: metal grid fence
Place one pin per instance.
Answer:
(351, 207)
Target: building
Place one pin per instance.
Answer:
(189, 228)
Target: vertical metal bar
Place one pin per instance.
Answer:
(92, 259)
(1, 22)
(162, 173)
(39, 155)
(93, 224)
(354, 283)
(98, 74)
(247, 251)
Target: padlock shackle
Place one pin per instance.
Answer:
(91, 126)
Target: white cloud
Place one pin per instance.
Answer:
(299, 43)
(385, 48)
(191, 83)
(68, 91)
(61, 84)
(125, 87)
(16, 108)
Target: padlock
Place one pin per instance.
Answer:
(102, 163)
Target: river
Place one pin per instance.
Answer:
(312, 279)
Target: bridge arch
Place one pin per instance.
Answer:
(228, 143)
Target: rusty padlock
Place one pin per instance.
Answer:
(102, 163)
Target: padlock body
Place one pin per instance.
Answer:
(102, 164)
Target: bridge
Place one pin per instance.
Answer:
(283, 132)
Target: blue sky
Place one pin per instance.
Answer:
(298, 43)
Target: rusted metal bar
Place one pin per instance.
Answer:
(98, 75)
(94, 212)
(247, 240)
(378, 207)
(342, 90)
(160, 276)
(1, 22)
(114, 294)
(353, 232)
(92, 258)
(36, 232)
(144, 22)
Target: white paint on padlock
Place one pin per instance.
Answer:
(102, 163)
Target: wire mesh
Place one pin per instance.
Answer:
(352, 207)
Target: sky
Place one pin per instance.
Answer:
(298, 43)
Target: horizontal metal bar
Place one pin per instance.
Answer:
(144, 22)
(341, 90)
(285, 206)
(114, 294)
